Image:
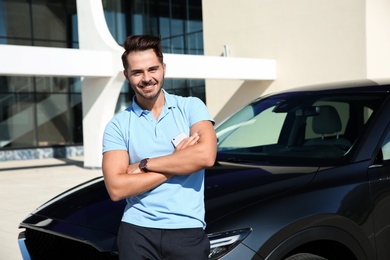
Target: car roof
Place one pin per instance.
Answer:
(362, 85)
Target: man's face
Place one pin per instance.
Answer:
(145, 73)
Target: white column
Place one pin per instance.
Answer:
(99, 94)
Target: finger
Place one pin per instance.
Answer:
(188, 142)
(193, 140)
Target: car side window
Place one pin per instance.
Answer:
(386, 147)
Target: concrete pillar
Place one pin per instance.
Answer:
(99, 94)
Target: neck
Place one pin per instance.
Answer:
(154, 105)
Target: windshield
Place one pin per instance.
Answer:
(300, 127)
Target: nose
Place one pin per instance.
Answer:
(147, 77)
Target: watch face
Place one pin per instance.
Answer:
(143, 165)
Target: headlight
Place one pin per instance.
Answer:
(223, 242)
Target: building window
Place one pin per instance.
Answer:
(40, 111)
(47, 23)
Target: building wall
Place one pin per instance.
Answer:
(378, 40)
(313, 42)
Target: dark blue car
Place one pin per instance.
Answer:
(303, 174)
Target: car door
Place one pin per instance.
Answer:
(379, 176)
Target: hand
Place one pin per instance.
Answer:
(189, 141)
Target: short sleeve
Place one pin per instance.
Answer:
(198, 111)
(113, 138)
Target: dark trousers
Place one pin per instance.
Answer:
(136, 243)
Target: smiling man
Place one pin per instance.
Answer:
(161, 180)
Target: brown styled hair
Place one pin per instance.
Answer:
(141, 43)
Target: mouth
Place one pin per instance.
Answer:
(148, 86)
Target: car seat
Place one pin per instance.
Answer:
(327, 122)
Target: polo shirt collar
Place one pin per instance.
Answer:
(170, 102)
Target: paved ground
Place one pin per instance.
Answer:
(25, 185)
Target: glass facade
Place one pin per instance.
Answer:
(48, 23)
(47, 111)
(39, 111)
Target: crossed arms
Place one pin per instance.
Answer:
(193, 154)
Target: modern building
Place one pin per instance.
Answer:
(61, 76)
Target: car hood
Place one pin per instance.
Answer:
(231, 186)
(228, 186)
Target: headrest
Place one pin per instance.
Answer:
(327, 122)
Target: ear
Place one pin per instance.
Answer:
(126, 75)
(164, 68)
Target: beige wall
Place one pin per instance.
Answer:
(378, 40)
(312, 42)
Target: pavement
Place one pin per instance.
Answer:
(27, 184)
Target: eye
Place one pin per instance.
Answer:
(153, 69)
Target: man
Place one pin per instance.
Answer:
(162, 184)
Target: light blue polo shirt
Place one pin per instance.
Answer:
(179, 202)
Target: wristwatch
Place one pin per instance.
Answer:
(143, 165)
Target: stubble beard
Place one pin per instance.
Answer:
(151, 95)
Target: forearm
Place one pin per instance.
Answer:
(127, 185)
(183, 162)
(193, 154)
(121, 182)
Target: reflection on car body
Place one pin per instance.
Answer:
(302, 174)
